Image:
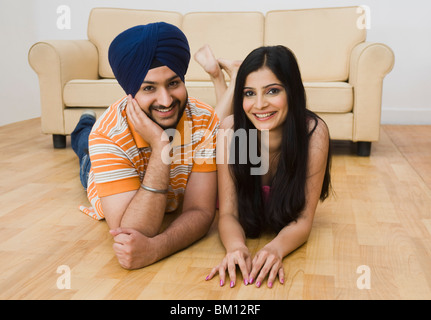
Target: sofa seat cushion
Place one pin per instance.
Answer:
(92, 93)
(331, 97)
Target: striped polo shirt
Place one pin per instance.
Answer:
(119, 156)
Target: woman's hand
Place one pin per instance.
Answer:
(240, 257)
(267, 262)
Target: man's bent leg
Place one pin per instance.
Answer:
(79, 139)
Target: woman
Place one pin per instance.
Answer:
(268, 96)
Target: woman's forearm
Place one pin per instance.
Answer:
(291, 237)
(231, 233)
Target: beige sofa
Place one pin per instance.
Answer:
(343, 74)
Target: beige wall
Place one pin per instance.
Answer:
(404, 26)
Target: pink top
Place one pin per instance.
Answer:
(265, 193)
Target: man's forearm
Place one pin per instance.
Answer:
(189, 227)
(146, 210)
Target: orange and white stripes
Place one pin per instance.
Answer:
(119, 156)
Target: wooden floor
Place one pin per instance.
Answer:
(371, 240)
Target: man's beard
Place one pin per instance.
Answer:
(180, 113)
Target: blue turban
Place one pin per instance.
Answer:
(133, 52)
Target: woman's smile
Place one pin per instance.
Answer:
(264, 116)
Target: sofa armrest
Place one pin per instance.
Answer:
(56, 62)
(370, 62)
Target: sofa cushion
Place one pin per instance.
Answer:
(92, 93)
(332, 97)
(203, 91)
(322, 39)
(105, 24)
(231, 35)
(103, 92)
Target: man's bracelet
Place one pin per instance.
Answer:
(154, 190)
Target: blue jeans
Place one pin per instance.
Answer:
(79, 140)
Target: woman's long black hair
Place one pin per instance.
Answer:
(287, 199)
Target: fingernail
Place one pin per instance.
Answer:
(207, 277)
(270, 284)
(232, 284)
(245, 282)
(282, 281)
(221, 283)
(258, 284)
(250, 281)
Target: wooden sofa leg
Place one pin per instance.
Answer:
(364, 148)
(59, 141)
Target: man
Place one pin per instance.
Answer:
(152, 151)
